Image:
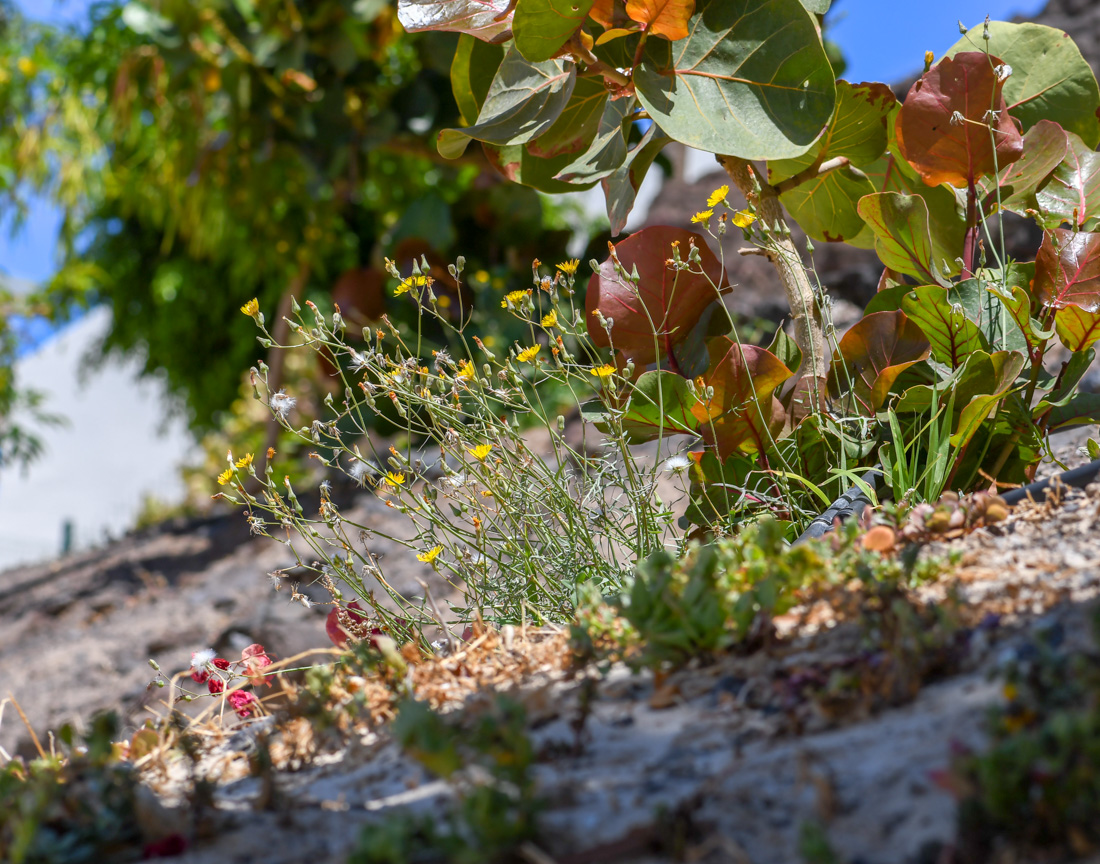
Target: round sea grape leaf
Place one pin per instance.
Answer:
(668, 18)
(660, 403)
(488, 20)
(751, 80)
(541, 27)
(1050, 79)
(1078, 328)
(1073, 192)
(474, 66)
(825, 206)
(649, 320)
(1067, 269)
(873, 353)
(523, 102)
(577, 124)
(942, 128)
(951, 334)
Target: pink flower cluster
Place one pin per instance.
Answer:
(208, 669)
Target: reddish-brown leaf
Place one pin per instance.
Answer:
(610, 14)
(874, 353)
(666, 18)
(1067, 269)
(943, 128)
(668, 302)
(743, 412)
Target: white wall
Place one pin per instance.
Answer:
(116, 448)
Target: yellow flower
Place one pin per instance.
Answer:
(702, 217)
(481, 276)
(225, 476)
(251, 308)
(569, 268)
(744, 218)
(514, 298)
(465, 371)
(602, 372)
(27, 66)
(528, 355)
(481, 451)
(244, 461)
(718, 195)
(393, 479)
(411, 282)
(550, 320)
(429, 556)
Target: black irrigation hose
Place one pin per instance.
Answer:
(1080, 477)
(854, 500)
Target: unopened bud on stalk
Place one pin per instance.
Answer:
(154, 664)
(294, 307)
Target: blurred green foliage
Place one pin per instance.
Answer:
(209, 151)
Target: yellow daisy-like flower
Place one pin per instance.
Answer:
(702, 217)
(528, 355)
(411, 282)
(718, 195)
(550, 320)
(465, 371)
(429, 556)
(569, 268)
(481, 452)
(744, 218)
(251, 308)
(602, 372)
(514, 299)
(244, 461)
(225, 476)
(393, 479)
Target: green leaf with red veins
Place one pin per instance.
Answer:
(1045, 147)
(1073, 192)
(488, 20)
(952, 336)
(523, 102)
(902, 238)
(943, 128)
(521, 167)
(660, 403)
(742, 414)
(1067, 269)
(652, 317)
(1078, 328)
(607, 151)
(873, 353)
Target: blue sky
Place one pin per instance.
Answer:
(882, 41)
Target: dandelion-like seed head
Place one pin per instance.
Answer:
(678, 464)
(281, 404)
(202, 659)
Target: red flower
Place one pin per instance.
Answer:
(167, 847)
(242, 701)
(335, 629)
(255, 658)
(221, 663)
(199, 676)
(215, 684)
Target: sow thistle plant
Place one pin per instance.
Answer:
(518, 531)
